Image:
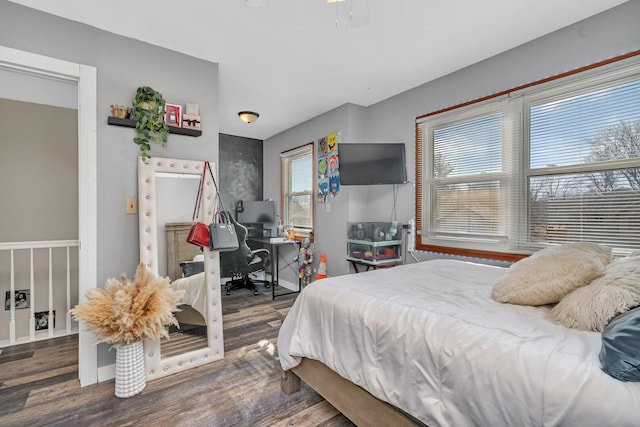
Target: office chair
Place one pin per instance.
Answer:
(242, 262)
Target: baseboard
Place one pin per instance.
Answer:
(106, 373)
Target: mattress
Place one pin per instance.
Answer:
(428, 339)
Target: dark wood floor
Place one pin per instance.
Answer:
(39, 385)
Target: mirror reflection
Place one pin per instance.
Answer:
(182, 262)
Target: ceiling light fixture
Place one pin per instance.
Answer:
(248, 116)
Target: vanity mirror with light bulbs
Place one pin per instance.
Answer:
(167, 190)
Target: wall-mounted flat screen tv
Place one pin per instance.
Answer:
(371, 164)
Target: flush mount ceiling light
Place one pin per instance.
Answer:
(248, 116)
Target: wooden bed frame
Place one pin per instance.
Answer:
(354, 402)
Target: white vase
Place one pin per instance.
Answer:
(130, 375)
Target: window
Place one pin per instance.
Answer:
(554, 165)
(297, 189)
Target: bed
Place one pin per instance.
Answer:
(426, 344)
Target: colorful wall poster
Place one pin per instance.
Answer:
(328, 167)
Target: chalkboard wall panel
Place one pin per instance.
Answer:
(240, 169)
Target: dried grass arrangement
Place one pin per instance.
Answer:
(125, 312)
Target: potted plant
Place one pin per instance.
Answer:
(124, 313)
(148, 111)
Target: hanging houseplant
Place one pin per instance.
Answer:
(148, 111)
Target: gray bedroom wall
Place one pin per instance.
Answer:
(122, 65)
(603, 36)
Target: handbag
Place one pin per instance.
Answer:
(199, 233)
(223, 236)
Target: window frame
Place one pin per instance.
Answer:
(558, 86)
(285, 187)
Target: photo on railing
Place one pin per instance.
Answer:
(21, 299)
(42, 320)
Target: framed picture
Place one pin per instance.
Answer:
(42, 320)
(173, 115)
(21, 299)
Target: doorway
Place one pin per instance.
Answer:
(43, 70)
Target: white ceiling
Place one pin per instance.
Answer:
(289, 60)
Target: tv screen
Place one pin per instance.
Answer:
(371, 164)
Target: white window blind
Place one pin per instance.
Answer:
(555, 165)
(297, 166)
(469, 177)
(584, 168)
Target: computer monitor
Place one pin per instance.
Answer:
(261, 213)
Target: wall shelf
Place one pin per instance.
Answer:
(131, 123)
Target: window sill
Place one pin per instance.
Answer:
(474, 253)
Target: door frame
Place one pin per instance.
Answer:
(85, 77)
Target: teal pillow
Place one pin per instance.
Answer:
(620, 354)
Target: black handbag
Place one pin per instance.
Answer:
(222, 232)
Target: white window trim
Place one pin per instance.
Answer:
(286, 157)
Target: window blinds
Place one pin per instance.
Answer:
(556, 165)
(584, 168)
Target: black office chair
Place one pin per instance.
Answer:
(243, 262)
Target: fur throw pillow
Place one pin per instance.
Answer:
(550, 274)
(593, 306)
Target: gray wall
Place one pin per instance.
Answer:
(606, 35)
(39, 156)
(123, 64)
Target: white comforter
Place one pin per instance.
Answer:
(194, 291)
(429, 339)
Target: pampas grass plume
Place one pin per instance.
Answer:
(124, 312)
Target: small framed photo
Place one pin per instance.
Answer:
(173, 115)
(43, 321)
(21, 299)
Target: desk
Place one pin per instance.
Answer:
(274, 252)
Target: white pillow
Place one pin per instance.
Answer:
(199, 257)
(592, 307)
(548, 275)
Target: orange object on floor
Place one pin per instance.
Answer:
(322, 268)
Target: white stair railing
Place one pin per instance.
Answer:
(54, 288)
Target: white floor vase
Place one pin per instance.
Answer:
(130, 375)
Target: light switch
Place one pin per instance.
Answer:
(132, 206)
